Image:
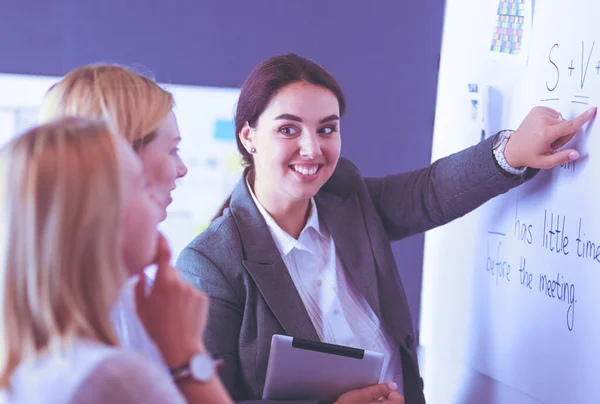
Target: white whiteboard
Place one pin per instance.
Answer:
(205, 117)
(529, 337)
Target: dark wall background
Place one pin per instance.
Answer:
(383, 52)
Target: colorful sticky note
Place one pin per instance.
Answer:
(224, 130)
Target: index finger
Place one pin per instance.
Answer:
(163, 252)
(569, 127)
(163, 257)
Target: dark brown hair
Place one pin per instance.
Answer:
(264, 82)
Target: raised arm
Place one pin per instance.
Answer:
(416, 201)
(174, 314)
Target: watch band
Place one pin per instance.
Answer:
(181, 373)
(186, 372)
(498, 151)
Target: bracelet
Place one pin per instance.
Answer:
(498, 150)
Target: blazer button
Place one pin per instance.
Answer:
(408, 341)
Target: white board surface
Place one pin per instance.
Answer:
(509, 290)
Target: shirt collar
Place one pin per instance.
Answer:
(286, 243)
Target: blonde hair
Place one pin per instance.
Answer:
(132, 104)
(60, 257)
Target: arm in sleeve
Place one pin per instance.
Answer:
(416, 201)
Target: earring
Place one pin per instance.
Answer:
(252, 150)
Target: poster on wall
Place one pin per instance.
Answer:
(512, 31)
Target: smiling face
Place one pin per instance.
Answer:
(162, 163)
(297, 142)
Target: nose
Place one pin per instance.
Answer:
(181, 168)
(309, 145)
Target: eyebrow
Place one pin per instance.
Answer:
(298, 119)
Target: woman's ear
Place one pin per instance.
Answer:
(247, 138)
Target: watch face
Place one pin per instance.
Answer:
(497, 140)
(202, 367)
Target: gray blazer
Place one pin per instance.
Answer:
(252, 296)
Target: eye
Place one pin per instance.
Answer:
(327, 130)
(175, 151)
(288, 130)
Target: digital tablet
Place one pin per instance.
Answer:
(307, 370)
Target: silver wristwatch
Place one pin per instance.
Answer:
(498, 147)
(201, 368)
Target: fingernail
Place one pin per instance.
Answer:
(573, 155)
(393, 386)
(592, 110)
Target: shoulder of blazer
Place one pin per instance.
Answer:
(346, 179)
(221, 241)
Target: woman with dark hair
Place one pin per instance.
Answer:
(302, 246)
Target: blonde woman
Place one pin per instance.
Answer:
(142, 112)
(75, 226)
(134, 106)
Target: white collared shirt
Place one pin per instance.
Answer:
(339, 314)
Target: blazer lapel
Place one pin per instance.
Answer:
(344, 220)
(278, 289)
(266, 267)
